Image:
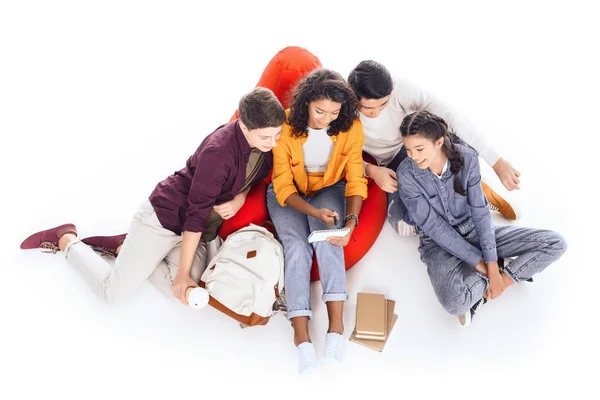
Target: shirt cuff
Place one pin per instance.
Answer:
(490, 156)
(282, 194)
(490, 255)
(356, 190)
(195, 226)
(472, 259)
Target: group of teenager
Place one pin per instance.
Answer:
(426, 159)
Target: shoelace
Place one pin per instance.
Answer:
(336, 346)
(477, 305)
(105, 252)
(51, 247)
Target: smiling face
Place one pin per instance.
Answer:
(322, 112)
(425, 152)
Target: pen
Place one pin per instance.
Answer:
(334, 220)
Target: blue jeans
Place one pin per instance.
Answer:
(293, 228)
(458, 285)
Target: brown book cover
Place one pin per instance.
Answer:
(378, 344)
(371, 315)
(390, 304)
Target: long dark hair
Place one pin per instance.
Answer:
(322, 84)
(432, 127)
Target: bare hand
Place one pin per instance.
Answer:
(229, 209)
(496, 285)
(180, 285)
(329, 217)
(343, 241)
(384, 177)
(481, 268)
(507, 174)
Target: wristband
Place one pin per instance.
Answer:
(351, 216)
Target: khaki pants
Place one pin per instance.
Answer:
(149, 252)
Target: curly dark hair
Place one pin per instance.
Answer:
(322, 84)
(433, 127)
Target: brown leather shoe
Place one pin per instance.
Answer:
(498, 203)
(106, 245)
(48, 239)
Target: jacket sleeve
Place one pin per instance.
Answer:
(283, 178)
(356, 183)
(206, 187)
(480, 212)
(433, 224)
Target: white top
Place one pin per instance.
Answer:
(444, 169)
(317, 150)
(382, 134)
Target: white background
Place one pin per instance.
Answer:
(99, 101)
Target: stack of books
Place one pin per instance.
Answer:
(375, 319)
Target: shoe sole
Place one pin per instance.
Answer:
(465, 319)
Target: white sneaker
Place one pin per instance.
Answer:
(466, 318)
(332, 354)
(307, 358)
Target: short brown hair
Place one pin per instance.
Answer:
(261, 109)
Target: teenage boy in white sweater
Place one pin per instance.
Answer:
(383, 104)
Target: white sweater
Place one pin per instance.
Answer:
(382, 134)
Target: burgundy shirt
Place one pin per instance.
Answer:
(214, 174)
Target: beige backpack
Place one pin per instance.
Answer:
(245, 278)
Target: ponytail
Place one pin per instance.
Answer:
(456, 163)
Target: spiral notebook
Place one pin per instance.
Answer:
(317, 236)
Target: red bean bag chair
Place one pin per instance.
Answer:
(281, 75)
(254, 211)
(284, 70)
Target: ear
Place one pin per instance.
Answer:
(243, 127)
(439, 142)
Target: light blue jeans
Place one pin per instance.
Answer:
(293, 228)
(458, 285)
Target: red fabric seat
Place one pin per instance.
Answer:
(284, 71)
(281, 75)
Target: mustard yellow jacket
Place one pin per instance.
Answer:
(289, 175)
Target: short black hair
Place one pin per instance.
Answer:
(261, 109)
(370, 80)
